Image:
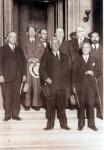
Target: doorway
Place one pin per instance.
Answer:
(38, 13)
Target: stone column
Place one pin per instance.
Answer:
(8, 16)
(50, 21)
(1, 22)
(70, 17)
(60, 13)
(1, 43)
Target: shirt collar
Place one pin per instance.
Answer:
(31, 39)
(97, 45)
(58, 53)
(11, 46)
(86, 57)
(82, 39)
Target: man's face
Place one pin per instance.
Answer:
(73, 37)
(59, 33)
(80, 34)
(43, 35)
(31, 32)
(95, 38)
(55, 45)
(86, 48)
(12, 37)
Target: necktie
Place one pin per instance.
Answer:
(13, 47)
(32, 41)
(95, 46)
(86, 59)
(80, 43)
(57, 56)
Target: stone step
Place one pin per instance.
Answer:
(52, 139)
(28, 134)
(32, 114)
(77, 147)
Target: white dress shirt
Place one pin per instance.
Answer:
(11, 46)
(86, 57)
(95, 46)
(58, 53)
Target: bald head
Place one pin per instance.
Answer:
(80, 32)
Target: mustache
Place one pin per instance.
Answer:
(94, 41)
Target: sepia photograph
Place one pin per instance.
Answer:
(51, 75)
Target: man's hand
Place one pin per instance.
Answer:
(2, 80)
(49, 80)
(89, 72)
(24, 78)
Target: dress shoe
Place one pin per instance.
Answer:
(7, 118)
(16, 118)
(37, 108)
(48, 128)
(65, 128)
(80, 128)
(100, 117)
(93, 128)
(27, 108)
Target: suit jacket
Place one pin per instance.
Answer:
(82, 82)
(99, 55)
(47, 66)
(40, 48)
(65, 49)
(33, 50)
(12, 63)
(74, 48)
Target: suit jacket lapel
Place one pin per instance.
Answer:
(9, 49)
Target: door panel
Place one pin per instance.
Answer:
(30, 12)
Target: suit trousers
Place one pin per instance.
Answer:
(33, 94)
(81, 118)
(11, 97)
(53, 103)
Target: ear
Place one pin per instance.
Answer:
(7, 38)
(39, 35)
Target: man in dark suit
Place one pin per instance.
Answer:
(73, 35)
(97, 51)
(76, 45)
(65, 49)
(42, 46)
(12, 73)
(85, 71)
(54, 71)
